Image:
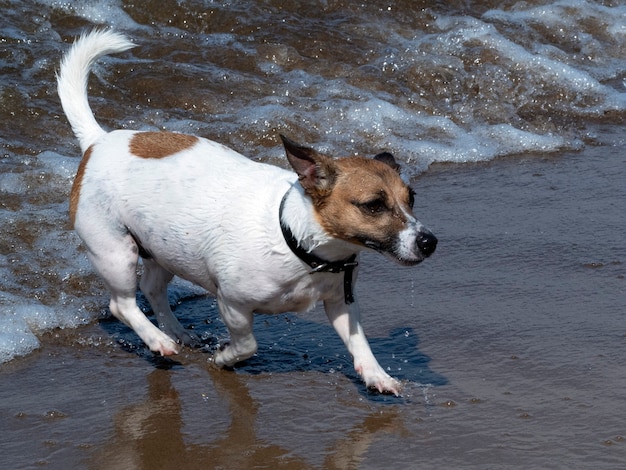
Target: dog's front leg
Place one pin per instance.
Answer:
(345, 318)
(242, 344)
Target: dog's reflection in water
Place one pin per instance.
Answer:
(150, 434)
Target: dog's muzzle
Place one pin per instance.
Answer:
(426, 242)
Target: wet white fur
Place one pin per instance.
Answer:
(208, 215)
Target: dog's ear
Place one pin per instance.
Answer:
(317, 172)
(389, 160)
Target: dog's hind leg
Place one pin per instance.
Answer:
(242, 344)
(154, 281)
(114, 254)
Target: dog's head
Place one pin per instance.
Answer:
(363, 201)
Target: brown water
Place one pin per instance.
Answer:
(510, 339)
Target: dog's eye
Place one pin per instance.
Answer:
(375, 206)
(411, 198)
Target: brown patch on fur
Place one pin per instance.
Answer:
(315, 170)
(319, 186)
(160, 144)
(362, 183)
(78, 181)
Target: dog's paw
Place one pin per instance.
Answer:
(224, 357)
(388, 385)
(376, 378)
(181, 335)
(228, 355)
(164, 346)
(188, 339)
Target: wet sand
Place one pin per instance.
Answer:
(510, 341)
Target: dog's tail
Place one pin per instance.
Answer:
(72, 81)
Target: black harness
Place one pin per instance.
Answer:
(318, 264)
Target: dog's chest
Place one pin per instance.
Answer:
(299, 294)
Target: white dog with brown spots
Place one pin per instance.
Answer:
(261, 238)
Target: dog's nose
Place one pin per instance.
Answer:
(427, 243)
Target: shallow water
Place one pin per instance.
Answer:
(510, 339)
(510, 342)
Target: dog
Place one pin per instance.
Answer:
(262, 239)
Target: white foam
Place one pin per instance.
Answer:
(22, 320)
(568, 21)
(16, 338)
(12, 183)
(465, 31)
(351, 117)
(108, 12)
(60, 165)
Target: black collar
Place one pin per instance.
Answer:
(318, 264)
